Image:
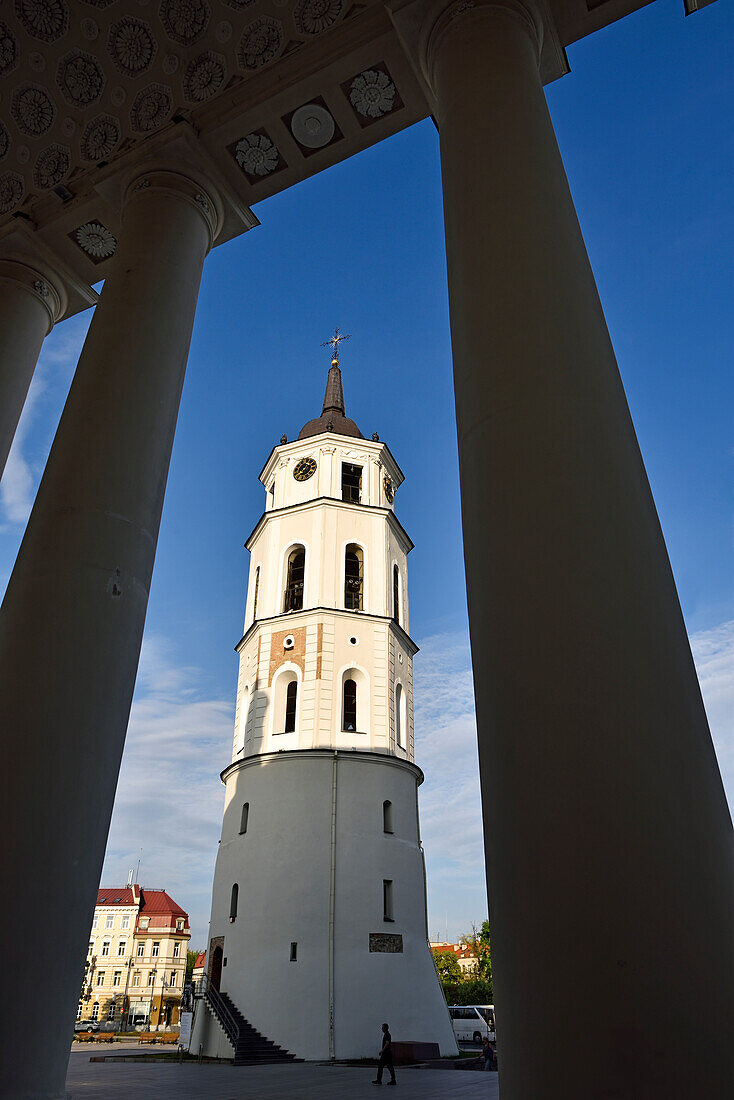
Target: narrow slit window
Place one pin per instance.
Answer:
(233, 900)
(396, 594)
(399, 714)
(295, 579)
(257, 593)
(244, 817)
(349, 715)
(387, 816)
(353, 578)
(351, 483)
(387, 899)
(291, 696)
(294, 952)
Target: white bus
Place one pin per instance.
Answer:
(472, 1022)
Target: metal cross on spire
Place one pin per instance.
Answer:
(334, 343)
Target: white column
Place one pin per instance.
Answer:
(608, 838)
(72, 620)
(30, 303)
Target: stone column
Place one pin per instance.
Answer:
(30, 303)
(608, 838)
(72, 620)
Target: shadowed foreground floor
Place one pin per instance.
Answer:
(169, 1081)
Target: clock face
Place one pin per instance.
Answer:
(389, 489)
(305, 469)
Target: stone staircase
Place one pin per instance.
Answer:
(250, 1047)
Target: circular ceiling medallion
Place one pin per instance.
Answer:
(312, 126)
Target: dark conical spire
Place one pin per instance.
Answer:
(334, 396)
(333, 418)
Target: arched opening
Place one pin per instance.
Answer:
(295, 579)
(400, 716)
(291, 697)
(387, 825)
(349, 706)
(215, 975)
(396, 594)
(233, 900)
(244, 817)
(353, 577)
(257, 593)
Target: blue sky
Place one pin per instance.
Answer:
(644, 125)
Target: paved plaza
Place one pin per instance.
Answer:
(119, 1080)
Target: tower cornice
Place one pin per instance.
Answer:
(295, 446)
(372, 757)
(341, 505)
(298, 617)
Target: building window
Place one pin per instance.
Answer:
(95, 1011)
(176, 949)
(349, 706)
(353, 577)
(151, 977)
(95, 923)
(387, 816)
(291, 696)
(144, 922)
(295, 579)
(111, 1011)
(245, 815)
(156, 949)
(106, 947)
(90, 949)
(399, 732)
(179, 924)
(173, 978)
(257, 593)
(141, 949)
(351, 483)
(110, 920)
(125, 922)
(234, 898)
(100, 977)
(116, 977)
(294, 952)
(136, 978)
(396, 594)
(387, 900)
(122, 947)
(79, 1011)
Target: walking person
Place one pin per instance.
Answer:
(385, 1057)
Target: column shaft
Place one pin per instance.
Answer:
(28, 306)
(72, 620)
(608, 838)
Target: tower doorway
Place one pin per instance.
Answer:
(215, 976)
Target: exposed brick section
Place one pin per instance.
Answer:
(278, 655)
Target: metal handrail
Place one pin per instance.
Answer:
(210, 992)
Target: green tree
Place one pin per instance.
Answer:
(190, 960)
(449, 973)
(478, 939)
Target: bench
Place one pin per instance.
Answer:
(158, 1037)
(84, 1036)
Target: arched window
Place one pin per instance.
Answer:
(387, 826)
(294, 579)
(353, 577)
(399, 717)
(244, 817)
(349, 706)
(234, 898)
(257, 592)
(291, 696)
(396, 594)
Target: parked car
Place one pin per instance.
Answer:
(472, 1022)
(86, 1025)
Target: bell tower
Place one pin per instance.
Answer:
(319, 888)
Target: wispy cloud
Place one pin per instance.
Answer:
(38, 420)
(713, 652)
(169, 798)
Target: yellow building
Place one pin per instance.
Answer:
(136, 960)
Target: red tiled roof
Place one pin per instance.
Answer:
(155, 904)
(200, 960)
(115, 895)
(158, 901)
